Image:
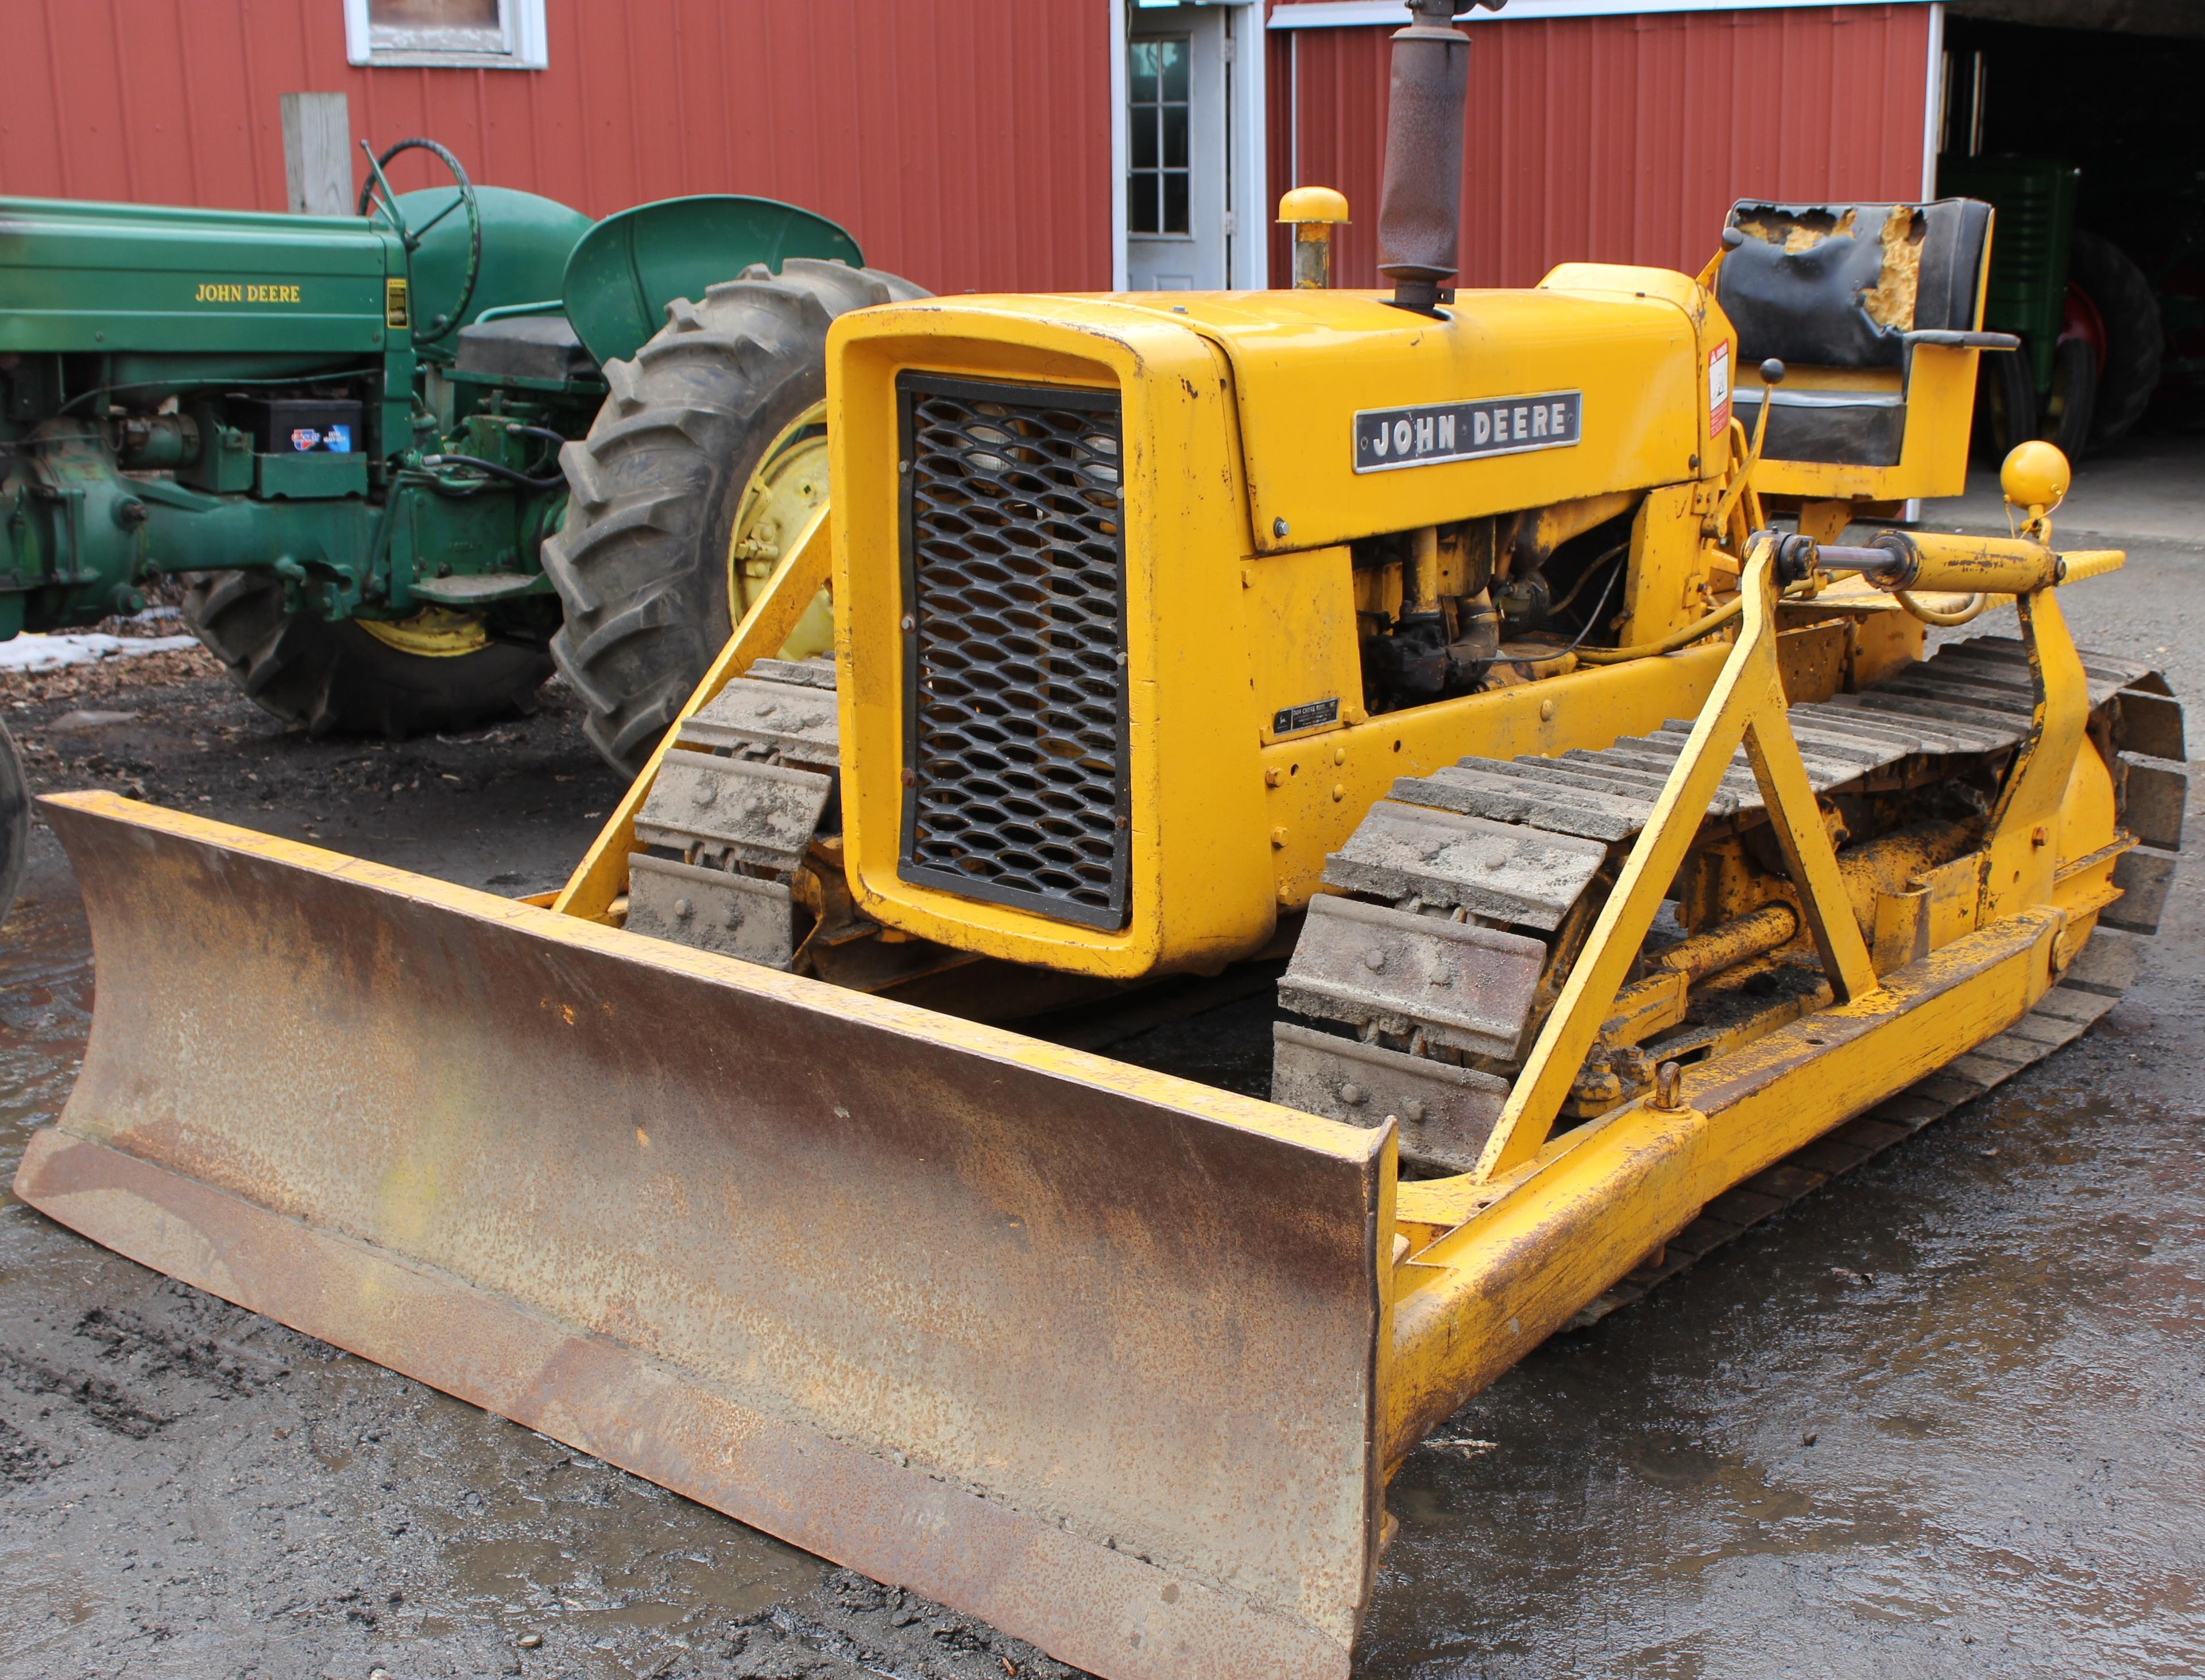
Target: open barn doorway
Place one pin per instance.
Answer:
(2080, 121)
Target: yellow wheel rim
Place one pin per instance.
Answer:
(434, 633)
(789, 483)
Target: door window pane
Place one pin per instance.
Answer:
(1157, 99)
(1175, 215)
(1144, 73)
(1174, 118)
(1141, 131)
(1141, 203)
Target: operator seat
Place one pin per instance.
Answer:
(1855, 300)
(524, 347)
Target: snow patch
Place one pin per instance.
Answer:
(33, 652)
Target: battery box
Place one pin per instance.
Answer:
(299, 425)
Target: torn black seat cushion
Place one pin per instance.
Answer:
(1823, 287)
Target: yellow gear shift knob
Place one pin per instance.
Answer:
(2035, 476)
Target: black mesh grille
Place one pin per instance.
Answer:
(1014, 566)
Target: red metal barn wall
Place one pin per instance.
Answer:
(965, 143)
(1621, 139)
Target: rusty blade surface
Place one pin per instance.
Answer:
(1086, 1352)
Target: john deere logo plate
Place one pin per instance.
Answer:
(1386, 438)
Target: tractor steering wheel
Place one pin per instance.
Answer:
(376, 198)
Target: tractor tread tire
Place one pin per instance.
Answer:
(640, 564)
(333, 678)
(2135, 337)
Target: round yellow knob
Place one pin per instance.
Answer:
(2036, 475)
(1313, 203)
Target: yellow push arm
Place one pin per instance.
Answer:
(1746, 706)
(601, 875)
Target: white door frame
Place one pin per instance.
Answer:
(1248, 203)
(1933, 110)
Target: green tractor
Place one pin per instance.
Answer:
(2089, 323)
(353, 438)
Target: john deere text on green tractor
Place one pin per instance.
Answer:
(347, 433)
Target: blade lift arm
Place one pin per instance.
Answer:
(599, 884)
(1746, 708)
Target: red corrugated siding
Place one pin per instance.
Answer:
(965, 143)
(1620, 140)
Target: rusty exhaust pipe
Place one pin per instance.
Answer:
(1420, 210)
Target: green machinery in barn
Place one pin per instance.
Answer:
(347, 434)
(2086, 315)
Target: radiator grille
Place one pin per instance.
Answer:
(1014, 602)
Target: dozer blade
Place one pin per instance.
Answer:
(1085, 1350)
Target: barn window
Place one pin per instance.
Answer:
(485, 34)
(1157, 101)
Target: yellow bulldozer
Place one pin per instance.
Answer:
(1492, 661)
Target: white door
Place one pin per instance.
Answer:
(1178, 229)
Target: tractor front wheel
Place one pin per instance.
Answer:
(437, 670)
(698, 471)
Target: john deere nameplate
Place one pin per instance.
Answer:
(1386, 438)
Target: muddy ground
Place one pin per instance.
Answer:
(1943, 1418)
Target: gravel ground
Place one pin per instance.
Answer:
(1942, 1418)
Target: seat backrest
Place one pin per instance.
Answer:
(1837, 285)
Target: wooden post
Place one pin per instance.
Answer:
(317, 154)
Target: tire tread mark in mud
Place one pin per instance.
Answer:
(105, 1404)
(173, 1350)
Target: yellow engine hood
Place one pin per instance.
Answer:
(1630, 346)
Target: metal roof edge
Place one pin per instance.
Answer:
(1352, 14)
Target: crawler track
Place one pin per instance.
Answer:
(1465, 890)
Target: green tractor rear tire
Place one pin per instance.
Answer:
(15, 820)
(2135, 339)
(344, 677)
(647, 564)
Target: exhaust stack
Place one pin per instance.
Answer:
(1420, 210)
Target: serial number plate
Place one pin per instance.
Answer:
(1388, 438)
(1308, 716)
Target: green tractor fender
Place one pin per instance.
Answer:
(612, 279)
(527, 242)
(624, 271)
